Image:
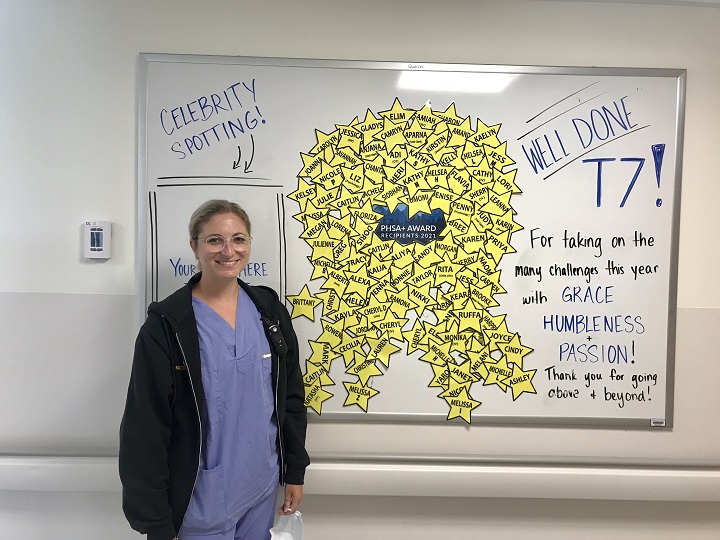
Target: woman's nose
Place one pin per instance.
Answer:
(228, 248)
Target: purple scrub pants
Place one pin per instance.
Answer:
(254, 525)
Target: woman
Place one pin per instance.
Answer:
(215, 413)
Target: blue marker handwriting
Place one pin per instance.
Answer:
(233, 112)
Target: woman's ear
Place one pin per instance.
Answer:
(193, 246)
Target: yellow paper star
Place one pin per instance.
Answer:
(393, 194)
(506, 222)
(310, 213)
(482, 297)
(324, 197)
(332, 333)
(461, 406)
(315, 396)
(393, 158)
(378, 268)
(498, 335)
(414, 336)
(459, 295)
(443, 308)
(416, 136)
(436, 145)
(392, 325)
(330, 298)
(454, 387)
(348, 314)
(441, 376)
(469, 316)
(449, 116)
(397, 114)
(497, 157)
(322, 246)
(473, 240)
(438, 353)
(337, 281)
(322, 354)
(426, 257)
(303, 193)
(369, 127)
(317, 373)
(311, 165)
(354, 178)
(382, 348)
(521, 381)
(362, 328)
(349, 136)
(514, 351)
(472, 154)
(303, 304)
(345, 199)
(330, 177)
(365, 212)
(478, 360)
(392, 134)
(402, 256)
(340, 229)
(425, 118)
(358, 394)
(325, 141)
(489, 279)
(375, 312)
(400, 304)
(459, 133)
(498, 205)
(445, 272)
(414, 180)
(420, 297)
(506, 182)
(486, 134)
(359, 282)
(459, 181)
(374, 170)
(436, 177)
(364, 368)
(498, 245)
(462, 373)
(498, 373)
(314, 226)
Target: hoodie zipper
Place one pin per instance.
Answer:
(197, 410)
(279, 423)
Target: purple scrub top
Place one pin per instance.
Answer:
(239, 460)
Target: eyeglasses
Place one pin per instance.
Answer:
(216, 243)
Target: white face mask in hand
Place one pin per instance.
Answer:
(288, 527)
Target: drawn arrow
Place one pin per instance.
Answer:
(252, 155)
(236, 163)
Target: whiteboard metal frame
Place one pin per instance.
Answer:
(680, 75)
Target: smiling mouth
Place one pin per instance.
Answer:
(226, 263)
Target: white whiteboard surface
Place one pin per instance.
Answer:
(545, 118)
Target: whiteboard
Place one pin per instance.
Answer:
(464, 243)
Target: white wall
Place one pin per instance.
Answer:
(68, 103)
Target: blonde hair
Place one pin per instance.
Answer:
(205, 213)
(214, 207)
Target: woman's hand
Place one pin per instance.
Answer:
(293, 496)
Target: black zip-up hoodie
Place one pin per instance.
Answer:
(165, 411)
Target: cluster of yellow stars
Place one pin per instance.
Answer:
(433, 297)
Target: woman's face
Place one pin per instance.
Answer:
(230, 260)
